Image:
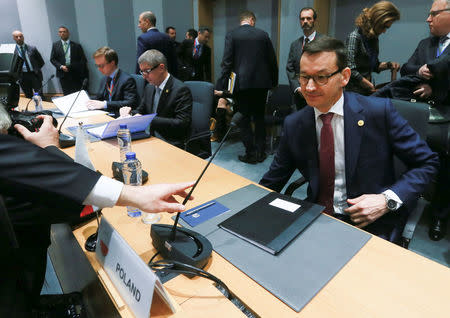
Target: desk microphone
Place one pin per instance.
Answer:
(67, 140)
(40, 90)
(188, 246)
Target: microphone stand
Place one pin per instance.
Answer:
(40, 90)
(188, 246)
(91, 242)
(67, 140)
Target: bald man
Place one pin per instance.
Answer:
(31, 77)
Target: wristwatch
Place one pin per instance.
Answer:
(389, 65)
(391, 204)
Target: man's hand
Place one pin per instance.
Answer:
(65, 68)
(218, 93)
(155, 198)
(423, 91)
(46, 136)
(125, 111)
(367, 84)
(366, 208)
(425, 72)
(95, 104)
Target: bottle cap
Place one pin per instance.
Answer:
(36, 93)
(123, 126)
(130, 155)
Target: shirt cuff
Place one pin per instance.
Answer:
(391, 194)
(105, 104)
(105, 193)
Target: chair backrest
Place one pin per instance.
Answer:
(203, 97)
(280, 97)
(417, 115)
(140, 84)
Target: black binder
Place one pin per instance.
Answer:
(270, 227)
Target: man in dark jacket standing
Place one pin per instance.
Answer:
(70, 62)
(249, 53)
(31, 77)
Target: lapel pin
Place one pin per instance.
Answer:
(167, 91)
(360, 123)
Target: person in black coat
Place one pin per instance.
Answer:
(41, 186)
(166, 96)
(249, 53)
(151, 38)
(117, 88)
(194, 58)
(70, 62)
(307, 17)
(31, 77)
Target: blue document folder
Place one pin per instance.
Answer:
(134, 124)
(203, 212)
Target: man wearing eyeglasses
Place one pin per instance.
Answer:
(166, 96)
(117, 88)
(344, 144)
(431, 61)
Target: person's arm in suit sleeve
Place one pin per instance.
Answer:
(413, 65)
(140, 49)
(39, 59)
(282, 165)
(208, 76)
(142, 108)
(54, 58)
(273, 62)
(227, 62)
(290, 69)
(352, 50)
(129, 96)
(183, 113)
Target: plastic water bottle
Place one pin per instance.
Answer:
(132, 175)
(124, 141)
(37, 102)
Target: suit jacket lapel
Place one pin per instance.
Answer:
(353, 132)
(165, 93)
(308, 142)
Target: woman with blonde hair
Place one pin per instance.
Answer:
(362, 46)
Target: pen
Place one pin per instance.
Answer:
(198, 209)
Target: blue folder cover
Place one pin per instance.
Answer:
(134, 124)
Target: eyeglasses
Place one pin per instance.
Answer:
(318, 79)
(102, 65)
(435, 13)
(148, 71)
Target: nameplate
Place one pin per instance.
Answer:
(133, 279)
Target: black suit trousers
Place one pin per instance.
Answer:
(28, 82)
(70, 83)
(251, 103)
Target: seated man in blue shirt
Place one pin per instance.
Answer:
(117, 88)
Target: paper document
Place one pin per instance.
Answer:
(231, 82)
(87, 113)
(7, 48)
(63, 103)
(134, 124)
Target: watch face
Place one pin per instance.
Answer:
(391, 204)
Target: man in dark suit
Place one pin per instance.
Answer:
(250, 54)
(307, 17)
(194, 58)
(166, 96)
(344, 146)
(70, 62)
(31, 77)
(172, 33)
(151, 38)
(55, 191)
(431, 61)
(117, 88)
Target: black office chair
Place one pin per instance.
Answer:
(278, 106)
(199, 142)
(140, 85)
(417, 116)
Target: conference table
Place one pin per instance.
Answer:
(381, 280)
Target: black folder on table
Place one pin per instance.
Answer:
(273, 221)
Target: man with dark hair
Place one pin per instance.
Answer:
(117, 88)
(431, 61)
(40, 185)
(31, 77)
(166, 96)
(191, 34)
(194, 58)
(172, 33)
(151, 38)
(249, 53)
(70, 62)
(344, 144)
(307, 18)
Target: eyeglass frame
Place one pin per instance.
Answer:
(314, 78)
(102, 65)
(436, 12)
(148, 71)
